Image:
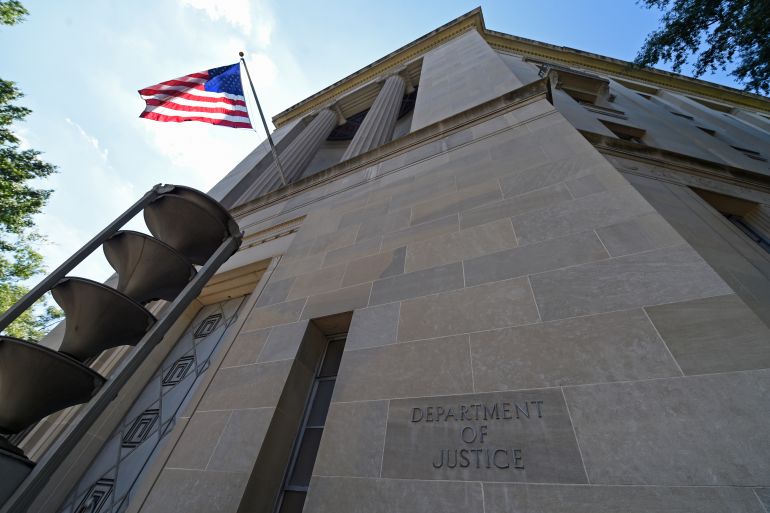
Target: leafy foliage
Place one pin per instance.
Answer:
(19, 202)
(16, 265)
(716, 30)
(12, 12)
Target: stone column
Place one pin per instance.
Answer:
(295, 157)
(377, 127)
(301, 150)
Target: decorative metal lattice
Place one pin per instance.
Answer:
(96, 496)
(107, 485)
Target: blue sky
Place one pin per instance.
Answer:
(80, 64)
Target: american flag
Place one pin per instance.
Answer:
(213, 96)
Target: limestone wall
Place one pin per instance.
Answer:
(504, 267)
(532, 327)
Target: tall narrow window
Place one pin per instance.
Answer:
(300, 469)
(749, 230)
(753, 219)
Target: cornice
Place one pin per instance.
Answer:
(616, 67)
(526, 48)
(680, 163)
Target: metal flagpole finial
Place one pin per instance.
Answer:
(264, 123)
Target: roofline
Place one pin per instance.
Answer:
(528, 48)
(625, 69)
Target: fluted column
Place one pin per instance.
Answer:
(303, 148)
(295, 157)
(377, 127)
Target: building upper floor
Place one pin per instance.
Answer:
(463, 64)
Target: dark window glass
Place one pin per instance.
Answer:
(323, 396)
(303, 466)
(749, 231)
(292, 502)
(306, 445)
(332, 358)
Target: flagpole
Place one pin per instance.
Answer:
(264, 123)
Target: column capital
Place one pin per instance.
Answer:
(407, 80)
(340, 116)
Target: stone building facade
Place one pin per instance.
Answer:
(505, 276)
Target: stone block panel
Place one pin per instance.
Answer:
(353, 440)
(364, 214)
(322, 280)
(418, 283)
(419, 232)
(643, 233)
(453, 247)
(373, 326)
(535, 200)
(581, 214)
(283, 342)
(458, 75)
(661, 276)
(197, 443)
(355, 495)
(414, 369)
(527, 498)
(344, 236)
(274, 292)
(348, 253)
(467, 198)
(716, 334)
(339, 301)
(195, 491)
(585, 186)
(248, 386)
(384, 224)
(698, 430)
(293, 266)
(523, 436)
(619, 346)
(535, 258)
(241, 440)
(279, 313)
(484, 307)
(375, 267)
(764, 497)
(521, 181)
(420, 191)
(246, 348)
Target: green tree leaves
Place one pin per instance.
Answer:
(12, 12)
(19, 202)
(717, 31)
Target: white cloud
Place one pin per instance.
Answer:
(265, 24)
(202, 154)
(235, 12)
(263, 70)
(93, 141)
